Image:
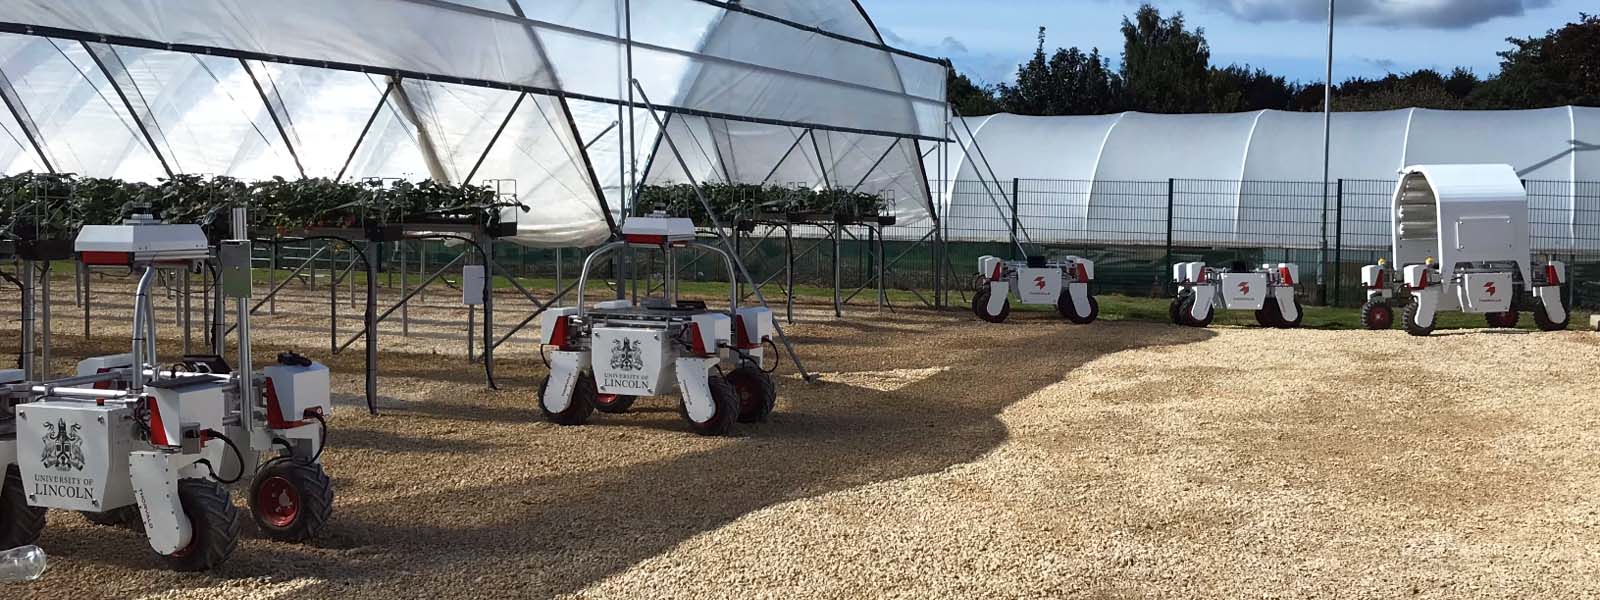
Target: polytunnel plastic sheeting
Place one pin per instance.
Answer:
(604, 130)
(841, 83)
(539, 156)
(16, 152)
(83, 126)
(323, 111)
(203, 111)
(716, 150)
(1268, 165)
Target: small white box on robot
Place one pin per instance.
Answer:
(74, 455)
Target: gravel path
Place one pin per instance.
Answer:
(939, 457)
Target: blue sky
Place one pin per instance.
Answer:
(987, 38)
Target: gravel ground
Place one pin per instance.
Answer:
(940, 457)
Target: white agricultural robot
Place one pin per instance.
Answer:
(1203, 290)
(134, 441)
(1062, 283)
(608, 355)
(1461, 244)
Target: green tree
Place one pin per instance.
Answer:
(1237, 88)
(1068, 82)
(1558, 68)
(969, 98)
(1165, 66)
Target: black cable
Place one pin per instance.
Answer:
(236, 453)
(777, 358)
(323, 444)
(543, 358)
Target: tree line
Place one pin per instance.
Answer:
(1166, 68)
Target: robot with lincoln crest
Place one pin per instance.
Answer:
(616, 351)
(133, 441)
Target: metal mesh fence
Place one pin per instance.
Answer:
(1134, 230)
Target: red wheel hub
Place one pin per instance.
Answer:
(1383, 317)
(605, 399)
(278, 502)
(747, 397)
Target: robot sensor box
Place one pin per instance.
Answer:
(74, 455)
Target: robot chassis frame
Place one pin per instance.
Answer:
(1461, 241)
(1203, 290)
(131, 442)
(1062, 283)
(609, 355)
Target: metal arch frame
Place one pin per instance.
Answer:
(276, 120)
(19, 113)
(128, 105)
(116, 40)
(377, 109)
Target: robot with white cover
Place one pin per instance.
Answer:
(133, 441)
(1062, 283)
(608, 355)
(1203, 290)
(1461, 244)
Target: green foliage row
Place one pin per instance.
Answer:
(734, 201)
(60, 204)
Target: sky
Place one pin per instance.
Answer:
(986, 39)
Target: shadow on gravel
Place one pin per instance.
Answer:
(586, 518)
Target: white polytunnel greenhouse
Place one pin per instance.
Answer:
(522, 95)
(1253, 179)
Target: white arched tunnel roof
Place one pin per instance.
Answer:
(1255, 172)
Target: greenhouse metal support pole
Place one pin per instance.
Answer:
(487, 246)
(87, 298)
(496, 137)
(276, 121)
(1014, 222)
(988, 167)
(29, 368)
(13, 104)
(128, 104)
(371, 324)
(44, 314)
(838, 245)
(376, 110)
(721, 237)
(788, 272)
(786, 153)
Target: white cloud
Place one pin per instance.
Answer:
(1431, 14)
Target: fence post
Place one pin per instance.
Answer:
(1014, 220)
(1171, 185)
(1338, 242)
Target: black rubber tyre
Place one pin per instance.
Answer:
(127, 516)
(1186, 309)
(290, 500)
(1068, 310)
(214, 521)
(1299, 317)
(727, 408)
(1173, 311)
(757, 393)
(1542, 319)
(980, 307)
(1410, 320)
(1270, 314)
(581, 407)
(1503, 320)
(20, 524)
(613, 404)
(1377, 315)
